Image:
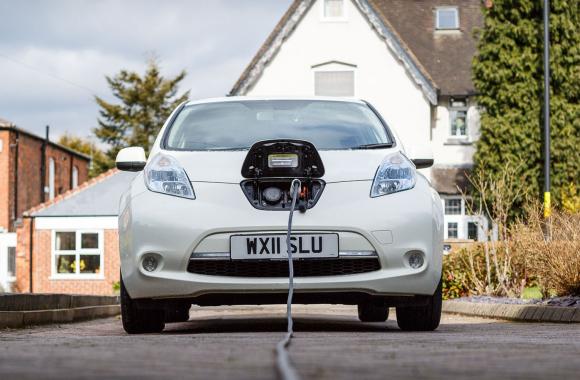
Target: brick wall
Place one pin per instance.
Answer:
(42, 271)
(30, 184)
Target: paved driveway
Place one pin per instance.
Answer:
(330, 343)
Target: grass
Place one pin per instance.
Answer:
(532, 293)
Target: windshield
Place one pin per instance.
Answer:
(238, 125)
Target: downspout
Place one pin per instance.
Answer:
(30, 247)
(43, 167)
(16, 178)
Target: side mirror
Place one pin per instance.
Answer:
(131, 159)
(422, 157)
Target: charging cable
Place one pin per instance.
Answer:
(283, 365)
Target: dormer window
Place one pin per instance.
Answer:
(447, 18)
(333, 10)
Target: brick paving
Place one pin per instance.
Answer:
(330, 343)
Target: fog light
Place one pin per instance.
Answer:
(149, 263)
(416, 260)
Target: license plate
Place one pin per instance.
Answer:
(273, 246)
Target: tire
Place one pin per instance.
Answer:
(421, 318)
(139, 321)
(369, 312)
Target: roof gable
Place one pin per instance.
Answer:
(292, 18)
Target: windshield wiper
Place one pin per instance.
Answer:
(374, 146)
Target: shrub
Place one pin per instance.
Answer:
(529, 256)
(554, 261)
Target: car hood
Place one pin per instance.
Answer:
(340, 166)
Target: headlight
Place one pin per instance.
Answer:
(164, 175)
(396, 173)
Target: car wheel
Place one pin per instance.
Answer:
(139, 321)
(421, 318)
(369, 312)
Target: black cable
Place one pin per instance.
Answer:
(283, 365)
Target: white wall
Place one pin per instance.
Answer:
(448, 151)
(379, 77)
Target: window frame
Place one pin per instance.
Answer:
(447, 228)
(10, 250)
(345, 70)
(325, 18)
(51, 178)
(453, 110)
(74, 177)
(457, 18)
(468, 224)
(77, 252)
(461, 206)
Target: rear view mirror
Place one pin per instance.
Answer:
(131, 159)
(422, 156)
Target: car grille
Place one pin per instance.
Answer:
(279, 268)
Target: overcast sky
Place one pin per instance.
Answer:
(54, 55)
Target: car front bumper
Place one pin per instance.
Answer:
(174, 228)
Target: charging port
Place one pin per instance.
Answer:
(274, 193)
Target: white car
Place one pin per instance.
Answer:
(205, 221)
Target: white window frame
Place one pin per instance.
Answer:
(332, 66)
(78, 252)
(75, 177)
(51, 178)
(452, 113)
(11, 276)
(447, 8)
(325, 18)
(462, 221)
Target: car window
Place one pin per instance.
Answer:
(239, 124)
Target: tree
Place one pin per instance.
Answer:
(99, 161)
(145, 103)
(508, 75)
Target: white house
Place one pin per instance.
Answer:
(410, 58)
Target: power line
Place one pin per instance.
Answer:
(55, 77)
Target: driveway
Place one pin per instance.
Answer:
(329, 343)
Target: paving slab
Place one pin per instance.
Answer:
(329, 343)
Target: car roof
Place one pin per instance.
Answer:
(262, 98)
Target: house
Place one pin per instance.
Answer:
(70, 244)
(410, 58)
(32, 170)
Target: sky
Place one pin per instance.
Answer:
(54, 55)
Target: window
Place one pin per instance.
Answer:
(447, 18)
(453, 206)
(75, 177)
(11, 261)
(452, 231)
(51, 173)
(334, 83)
(77, 253)
(328, 124)
(458, 117)
(333, 9)
(472, 231)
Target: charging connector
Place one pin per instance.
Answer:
(283, 365)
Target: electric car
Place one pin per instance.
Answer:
(205, 220)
